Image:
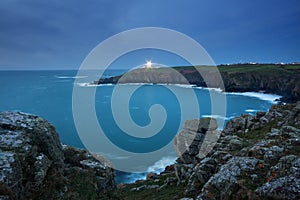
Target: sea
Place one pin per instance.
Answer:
(49, 95)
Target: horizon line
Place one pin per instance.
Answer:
(224, 64)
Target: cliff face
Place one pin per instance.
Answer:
(286, 85)
(34, 164)
(281, 80)
(256, 157)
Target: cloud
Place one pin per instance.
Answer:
(43, 31)
(62, 33)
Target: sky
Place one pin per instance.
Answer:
(59, 34)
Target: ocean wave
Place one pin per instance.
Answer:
(211, 89)
(160, 165)
(71, 77)
(251, 110)
(135, 84)
(218, 117)
(183, 85)
(86, 85)
(160, 84)
(157, 168)
(263, 96)
(93, 85)
(132, 177)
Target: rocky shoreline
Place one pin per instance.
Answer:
(255, 157)
(283, 80)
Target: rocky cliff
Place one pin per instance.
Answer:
(283, 80)
(256, 157)
(35, 165)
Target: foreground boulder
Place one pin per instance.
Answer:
(34, 164)
(196, 139)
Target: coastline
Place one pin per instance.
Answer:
(283, 80)
(272, 97)
(243, 160)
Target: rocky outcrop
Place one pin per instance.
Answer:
(256, 157)
(283, 80)
(34, 164)
(195, 140)
(192, 143)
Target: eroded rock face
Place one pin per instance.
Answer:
(225, 183)
(284, 180)
(196, 139)
(34, 165)
(255, 157)
(97, 166)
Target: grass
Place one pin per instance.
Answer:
(274, 69)
(292, 67)
(259, 134)
(168, 192)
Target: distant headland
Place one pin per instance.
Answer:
(281, 79)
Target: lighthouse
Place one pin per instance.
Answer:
(148, 64)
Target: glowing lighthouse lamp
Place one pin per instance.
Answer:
(148, 64)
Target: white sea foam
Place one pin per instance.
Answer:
(86, 85)
(160, 165)
(184, 85)
(263, 96)
(218, 117)
(160, 84)
(266, 97)
(71, 77)
(93, 85)
(135, 84)
(103, 85)
(251, 110)
(157, 168)
(211, 89)
(133, 177)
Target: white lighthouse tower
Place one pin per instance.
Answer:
(148, 64)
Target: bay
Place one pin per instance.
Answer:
(49, 95)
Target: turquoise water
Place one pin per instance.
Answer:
(49, 95)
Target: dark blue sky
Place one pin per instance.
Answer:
(38, 34)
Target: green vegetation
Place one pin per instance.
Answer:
(259, 134)
(260, 69)
(292, 67)
(240, 68)
(172, 191)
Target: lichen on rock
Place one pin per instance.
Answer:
(34, 165)
(256, 157)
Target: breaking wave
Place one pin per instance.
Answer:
(266, 97)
